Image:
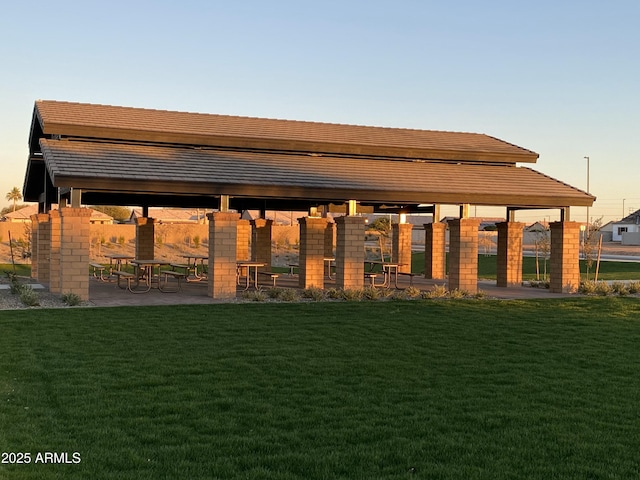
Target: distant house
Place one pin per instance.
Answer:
(485, 223)
(172, 215)
(24, 215)
(628, 227)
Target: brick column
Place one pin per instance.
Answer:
(350, 252)
(35, 224)
(435, 258)
(312, 251)
(54, 252)
(463, 254)
(244, 238)
(223, 241)
(401, 245)
(74, 251)
(261, 242)
(43, 250)
(509, 261)
(145, 238)
(564, 268)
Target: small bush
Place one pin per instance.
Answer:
(480, 295)
(28, 296)
(313, 293)
(412, 292)
(288, 295)
(603, 288)
(456, 293)
(121, 240)
(71, 299)
(351, 295)
(371, 293)
(587, 287)
(334, 294)
(255, 296)
(196, 241)
(438, 291)
(634, 287)
(620, 288)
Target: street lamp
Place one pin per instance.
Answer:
(587, 158)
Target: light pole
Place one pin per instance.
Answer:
(623, 200)
(587, 158)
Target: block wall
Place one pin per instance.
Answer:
(261, 242)
(145, 238)
(312, 251)
(74, 251)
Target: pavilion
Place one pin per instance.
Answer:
(85, 154)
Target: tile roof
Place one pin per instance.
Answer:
(145, 125)
(196, 171)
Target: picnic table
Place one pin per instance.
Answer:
(248, 265)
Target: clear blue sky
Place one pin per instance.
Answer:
(558, 77)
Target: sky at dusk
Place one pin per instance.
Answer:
(561, 78)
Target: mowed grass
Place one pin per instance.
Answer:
(393, 390)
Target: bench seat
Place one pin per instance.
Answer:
(274, 276)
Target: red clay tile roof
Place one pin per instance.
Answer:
(144, 125)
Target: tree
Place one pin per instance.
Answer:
(14, 195)
(542, 244)
(382, 226)
(119, 214)
(589, 245)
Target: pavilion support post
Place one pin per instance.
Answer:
(435, 255)
(43, 250)
(74, 251)
(244, 238)
(401, 246)
(261, 242)
(54, 252)
(509, 259)
(463, 254)
(312, 251)
(350, 252)
(145, 238)
(35, 226)
(564, 267)
(223, 241)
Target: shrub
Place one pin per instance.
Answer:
(603, 288)
(456, 293)
(121, 240)
(438, 291)
(196, 241)
(619, 288)
(29, 296)
(71, 299)
(587, 287)
(634, 287)
(313, 293)
(334, 294)
(255, 295)
(371, 293)
(412, 292)
(288, 295)
(351, 295)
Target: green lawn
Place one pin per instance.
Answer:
(426, 389)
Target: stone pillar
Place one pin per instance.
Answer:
(329, 238)
(54, 252)
(244, 238)
(564, 267)
(74, 251)
(145, 238)
(435, 258)
(463, 254)
(401, 246)
(261, 242)
(350, 252)
(312, 251)
(509, 261)
(43, 251)
(223, 241)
